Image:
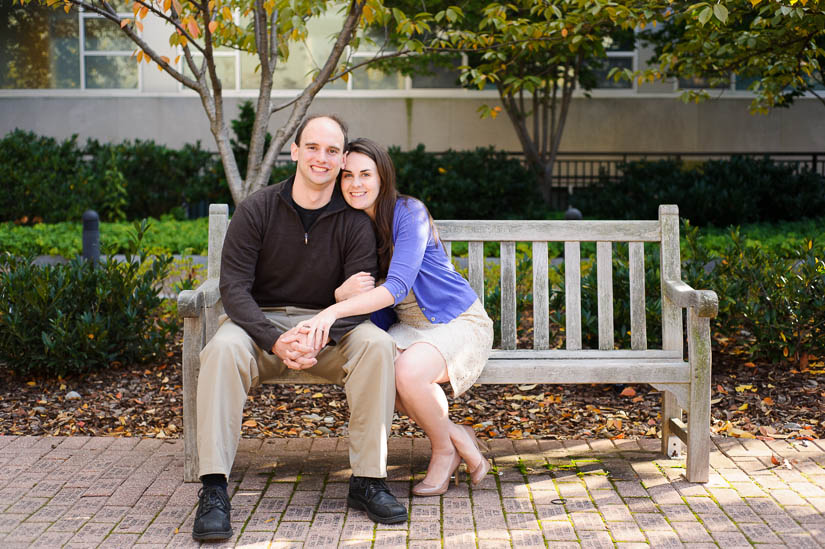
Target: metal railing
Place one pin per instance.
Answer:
(577, 169)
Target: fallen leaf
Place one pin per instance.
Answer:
(775, 460)
(628, 392)
(250, 423)
(743, 388)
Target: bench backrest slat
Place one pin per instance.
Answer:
(508, 295)
(476, 259)
(604, 281)
(572, 295)
(541, 297)
(638, 320)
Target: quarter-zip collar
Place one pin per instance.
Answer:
(336, 202)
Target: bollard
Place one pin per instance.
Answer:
(91, 236)
(573, 213)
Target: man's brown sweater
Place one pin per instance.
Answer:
(269, 260)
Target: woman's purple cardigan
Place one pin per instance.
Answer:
(420, 263)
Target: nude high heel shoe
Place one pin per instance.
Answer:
(477, 474)
(423, 489)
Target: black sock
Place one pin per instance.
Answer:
(214, 480)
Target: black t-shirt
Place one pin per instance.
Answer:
(308, 217)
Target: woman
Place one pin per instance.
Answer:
(443, 333)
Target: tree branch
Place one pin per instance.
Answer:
(112, 16)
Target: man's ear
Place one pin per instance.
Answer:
(293, 149)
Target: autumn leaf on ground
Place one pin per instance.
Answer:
(250, 423)
(628, 392)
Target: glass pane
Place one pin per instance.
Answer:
(374, 79)
(111, 71)
(294, 73)
(621, 40)
(744, 82)
(121, 6)
(698, 83)
(603, 82)
(442, 77)
(39, 47)
(103, 35)
(224, 66)
(250, 71)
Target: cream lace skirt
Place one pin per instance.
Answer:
(465, 342)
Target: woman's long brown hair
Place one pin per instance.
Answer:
(387, 197)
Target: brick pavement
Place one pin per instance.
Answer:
(128, 492)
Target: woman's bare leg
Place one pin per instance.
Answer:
(418, 371)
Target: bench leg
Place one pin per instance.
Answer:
(671, 445)
(192, 344)
(699, 353)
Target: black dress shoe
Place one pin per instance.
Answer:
(373, 496)
(212, 516)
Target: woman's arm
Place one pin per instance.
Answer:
(368, 302)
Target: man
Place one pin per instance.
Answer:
(287, 249)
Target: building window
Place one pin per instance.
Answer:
(39, 47)
(107, 55)
(46, 48)
(621, 53)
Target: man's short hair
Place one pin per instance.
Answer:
(310, 118)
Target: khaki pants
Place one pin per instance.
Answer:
(231, 363)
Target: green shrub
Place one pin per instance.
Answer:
(776, 300)
(718, 192)
(76, 317)
(479, 184)
(158, 180)
(168, 236)
(40, 178)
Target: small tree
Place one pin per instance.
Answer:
(777, 46)
(265, 28)
(535, 54)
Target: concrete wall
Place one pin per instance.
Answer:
(633, 124)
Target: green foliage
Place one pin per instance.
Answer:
(168, 236)
(717, 192)
(479, 184)
(776, 48)
(158, 179)
(777, 299)
(40, 178)
(77, 317)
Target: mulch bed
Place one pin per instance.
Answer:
(748, 400)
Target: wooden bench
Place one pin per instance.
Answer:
(685, 385)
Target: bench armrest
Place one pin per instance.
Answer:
(192, 302)
(705, 302)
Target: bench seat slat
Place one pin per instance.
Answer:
(584, 371)
(585, 354)
(553, 231)
(564, 371)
